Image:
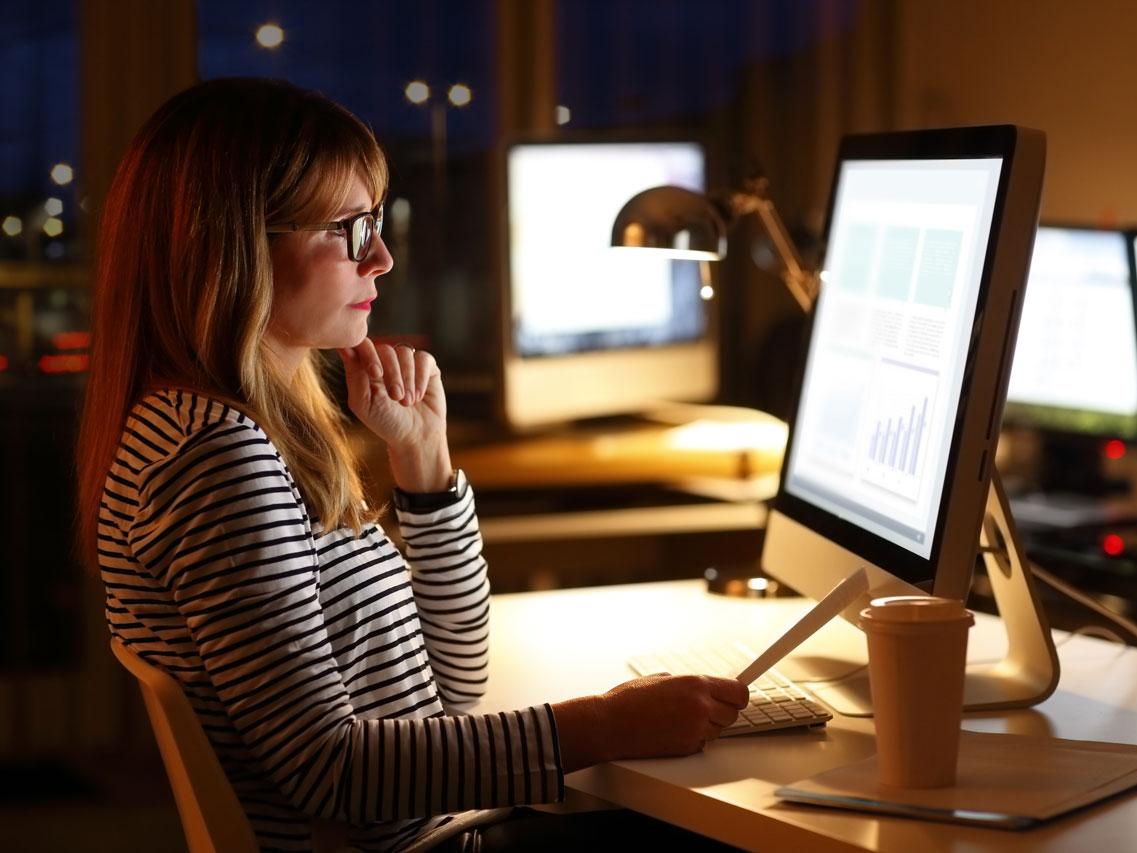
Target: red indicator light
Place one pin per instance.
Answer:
(1112, 544)
(71, 340)
(56, 364)
(3, 363)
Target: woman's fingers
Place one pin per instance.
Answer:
(711, 732)
(369, 360)
(404, 372)
(356, 372)
(722, 714)
(728, 690)
(398, 371)
(728, 696)
(406, 356)
(426, 368)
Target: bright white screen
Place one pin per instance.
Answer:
(1077, 348)
(882, 384)
(570, 292)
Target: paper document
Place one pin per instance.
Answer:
(1005, 781)
(840, 597)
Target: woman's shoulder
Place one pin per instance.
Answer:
(169, 421)
(184, 413)
(178, 441)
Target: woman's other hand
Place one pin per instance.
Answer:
(652, 717)
(396, 392)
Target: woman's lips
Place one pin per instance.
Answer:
(363, 306)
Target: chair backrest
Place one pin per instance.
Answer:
(212, 817)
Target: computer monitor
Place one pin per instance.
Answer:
(1074, 378)
(892, 441)
(591, 331)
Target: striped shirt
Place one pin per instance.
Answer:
(326, 669)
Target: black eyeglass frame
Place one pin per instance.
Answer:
(345, 225)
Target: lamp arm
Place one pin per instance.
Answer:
(754, 197)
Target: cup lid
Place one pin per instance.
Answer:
(915, 608)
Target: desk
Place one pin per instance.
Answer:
(623, 500)
(542, 651)
(729, 454)
(734, 459)
(705, 441)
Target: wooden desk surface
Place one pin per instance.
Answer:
(642, 453)
(739, 445)
(554, 645)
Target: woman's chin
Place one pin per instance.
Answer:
(354, 338)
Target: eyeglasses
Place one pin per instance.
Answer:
(359, 230)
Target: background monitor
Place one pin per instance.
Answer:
(1075, 367)
(590, 331)
(1074, 379)
(892, 441)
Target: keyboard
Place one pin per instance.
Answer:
(776, 702)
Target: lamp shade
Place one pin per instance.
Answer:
(684, 223)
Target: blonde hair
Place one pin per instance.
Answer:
(184, 278)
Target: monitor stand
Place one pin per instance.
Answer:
(1028, 673)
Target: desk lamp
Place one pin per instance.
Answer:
(690, 225)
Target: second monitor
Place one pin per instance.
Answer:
(1074, 381)
(591, 331)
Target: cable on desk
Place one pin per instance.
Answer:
(1080, 597)
(1093, 631)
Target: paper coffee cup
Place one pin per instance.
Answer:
(917, 656)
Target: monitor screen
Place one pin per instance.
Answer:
(591, 331)
(892, 441)
(891, 448)
(885, 368)
(1075, 366)
(570, 291)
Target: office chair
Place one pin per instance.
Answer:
(212, 817)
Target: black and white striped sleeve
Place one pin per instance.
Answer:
(452, 593)
(221, 527)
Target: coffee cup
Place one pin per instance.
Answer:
(917, 656)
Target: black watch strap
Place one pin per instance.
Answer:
(432, 501)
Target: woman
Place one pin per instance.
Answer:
(221, 502)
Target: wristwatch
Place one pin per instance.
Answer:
(431, 501)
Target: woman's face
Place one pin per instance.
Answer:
(321, 298)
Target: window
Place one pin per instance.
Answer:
(439, 142)
(44, 306)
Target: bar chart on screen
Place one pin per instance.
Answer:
(895, 431)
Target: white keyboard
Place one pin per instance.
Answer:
(776, 702)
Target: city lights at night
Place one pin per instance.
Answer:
(62, 174)
(270, 36)
(460, 95)
(417, 92)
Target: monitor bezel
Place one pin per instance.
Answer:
(513, 404)
(1024, 415)
(955, 143)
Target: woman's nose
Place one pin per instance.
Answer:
(378, 260)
